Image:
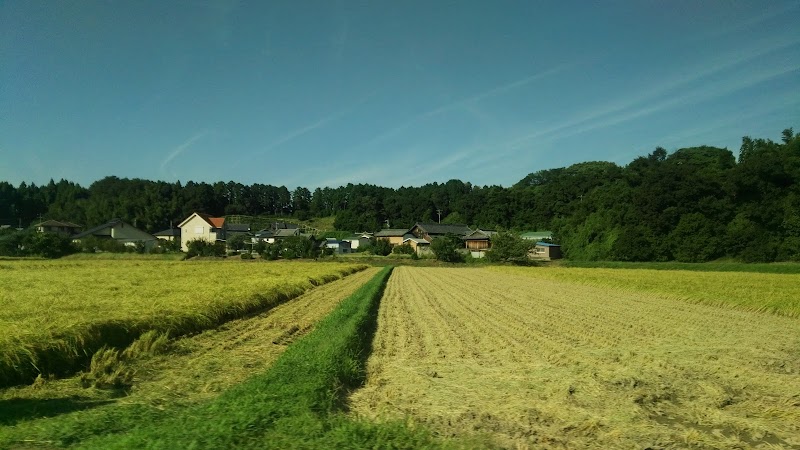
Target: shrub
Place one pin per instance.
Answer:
(199, 247)
(446, 248)
(404, 249)
(509, 247)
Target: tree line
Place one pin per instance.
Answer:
(695, 204)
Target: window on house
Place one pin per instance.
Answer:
(198, 230)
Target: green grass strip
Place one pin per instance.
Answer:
(298, 403)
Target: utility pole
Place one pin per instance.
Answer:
(439, 212)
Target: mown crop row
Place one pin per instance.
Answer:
(55, 314)
(766, 292)
(541, 363)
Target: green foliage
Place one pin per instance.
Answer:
(592, 207)
(33, 243)
(509, 247)
(237, 241)
(380, 247)
(446, 249)
(403, 249)
(200, 247)
(293, 247)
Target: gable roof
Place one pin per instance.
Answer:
(418, 241)
(238, 227)
(216, 222)
(110, 224)
(392, 232)
(441, 228)
(536, 235)
(174, 232)
(480, 235)
(286, 232)
(56, 223)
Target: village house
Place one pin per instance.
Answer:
(359, 240)
(59, 227)
(394, 236)
(546, 250)
(338, 247)
(170, 235)
(120, 231)
(271, 236)
(203, 227)
(479, 240)
(431, 231)
(420, 246)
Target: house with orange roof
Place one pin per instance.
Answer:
(203, 227)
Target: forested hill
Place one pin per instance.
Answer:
(695, 204)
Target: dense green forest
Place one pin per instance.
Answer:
(696, 204)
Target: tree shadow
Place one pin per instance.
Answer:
(17, 410)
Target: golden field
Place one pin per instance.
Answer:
(54, 314)
(535, 358)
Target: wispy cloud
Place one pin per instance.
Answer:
(678, 91)
(176, 151)
(306, 129)
(465, 102)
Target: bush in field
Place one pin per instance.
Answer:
(237, 242)
(33, 243)
(290, 248)
(199, 247)
(508, 247)
(381, 247)
(446, 248)
(404, 249)
(271, 252)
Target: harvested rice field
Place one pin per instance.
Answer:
(552, 362)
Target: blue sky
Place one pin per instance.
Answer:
(324, 93)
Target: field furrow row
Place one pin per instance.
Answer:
(551, 363)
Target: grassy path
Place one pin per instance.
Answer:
(197, 369)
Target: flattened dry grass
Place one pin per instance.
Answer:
(55, 314)
(770, 292)
(551, 364)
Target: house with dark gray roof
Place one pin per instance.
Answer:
(57, 226)
(170, 234)
(120, 231)
(431, 231)
(395, 236)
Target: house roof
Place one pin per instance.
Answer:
(546, 244)
(536, 235)
(392, 232)
(418, 241)
(287, 232)
(441, 228)
(240, 227)
(174, 232)
(480, 235)
(216, 222)
(264, 233)
(56, 223)
(283, 226)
